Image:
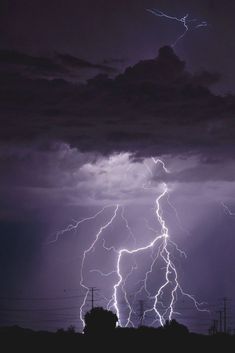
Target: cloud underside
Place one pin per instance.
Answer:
(154, 107)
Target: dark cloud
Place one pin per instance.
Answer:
(206, 78)
(77, 63)
(211, 172)
(156, 105)
(167, 68)
(59, 66)
(114, 61)
(40, 64)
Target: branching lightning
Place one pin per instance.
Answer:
(74, 226)
(85, 254)
(177, 216)
(130, 232)
(161, 300)
(185, 21)
(227, 210)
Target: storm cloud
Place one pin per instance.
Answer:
(156, 106)
(68, 149)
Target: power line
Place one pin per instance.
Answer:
(40, 298)
(38, 309)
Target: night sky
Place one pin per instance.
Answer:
(90, 92)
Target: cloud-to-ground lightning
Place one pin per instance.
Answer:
(86, 252)
(161, 300)
(185, 21)
(170, 282)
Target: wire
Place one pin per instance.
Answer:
(41, 298)
(42, 309)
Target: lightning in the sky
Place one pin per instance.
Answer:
(170, 284)
(85, 254)
(177, 216)
(159, 161)
(162, 248)
(185, 21)
(130, 232)
(227, 209)
(74, 226)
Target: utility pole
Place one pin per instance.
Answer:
(92, 291)
(225, 314)
(220, 320)
(215, 326)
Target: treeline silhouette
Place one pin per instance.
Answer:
(102, 333)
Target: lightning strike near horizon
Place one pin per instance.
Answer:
(171, 276)
(185, 21)
(85, 253)
(164, 297)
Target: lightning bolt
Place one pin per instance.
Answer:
(185, 21)
(85, 254)
(76, 225)
(227, 209)
(171, 276)
(159, 161)
(130, 232)
(177, 216)
(165, 296)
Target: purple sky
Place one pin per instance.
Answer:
(71, 146)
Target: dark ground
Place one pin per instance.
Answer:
(16, 339)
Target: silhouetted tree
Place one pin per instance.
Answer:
(100, 321)
(174, 327)
(71, 329)
(60, 331)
